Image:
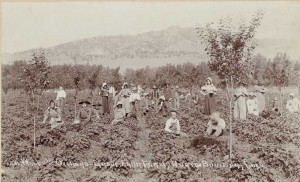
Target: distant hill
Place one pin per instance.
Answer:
(173, 45)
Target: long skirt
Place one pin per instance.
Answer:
(126, 104)
(209, 104)
(105, 105)
(261, 102)
(240, 109)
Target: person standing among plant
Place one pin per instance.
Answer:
(252, 105)
(176, 97)
(209, 91)
(240, 109)
(54, 113)
(293, 105)
(104, 95)
(162, 106)
(134, 101)
(275, 106)
(125, 94)
(60, 97)
(154, 98)
(260, 91)
(168, 95)
(145, 103)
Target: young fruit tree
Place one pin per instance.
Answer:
(230, 50)
(35, 80)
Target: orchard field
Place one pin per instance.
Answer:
(265, 149)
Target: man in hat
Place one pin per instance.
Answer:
(145, 103)
(84, 114)
(260, 95)
(176, 97)
(292, 104)
(216, 125)
(60, 97)
(252, 104)
(119, 114)
(134, 100)
(96, 111)
(154, 98)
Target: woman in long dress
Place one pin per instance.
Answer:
(125, 98)
(209, 91)
(104, 95)
(240, 109)
(260, 94)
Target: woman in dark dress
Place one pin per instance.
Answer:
(209, 90)
(104, 95)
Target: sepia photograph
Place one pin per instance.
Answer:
(183, 91)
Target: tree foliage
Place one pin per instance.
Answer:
(35, 75)
(230, 48)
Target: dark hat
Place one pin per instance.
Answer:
(97, 104)
(84, 101)
(173, 110)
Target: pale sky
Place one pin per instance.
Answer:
(31, 25)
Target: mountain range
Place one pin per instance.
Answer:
(173, 45)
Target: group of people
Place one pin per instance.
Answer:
(254, 102)
(132, 101)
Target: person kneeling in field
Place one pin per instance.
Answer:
(96, 111)
(84, 115)
(173, 125)
(119, 113)
(54, 113)
(216, 125)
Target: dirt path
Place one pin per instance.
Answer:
(142, 151)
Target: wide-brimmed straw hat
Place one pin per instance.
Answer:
(154, 87)
(97, 104)
(84, 102)
(173, 110)
(119, 103)
(134, 89)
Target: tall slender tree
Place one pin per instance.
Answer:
(230, 50)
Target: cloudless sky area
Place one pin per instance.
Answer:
(31, 25)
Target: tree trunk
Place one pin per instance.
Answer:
(5, 102)
(281, 99)
(229, 98)
(34, 123)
